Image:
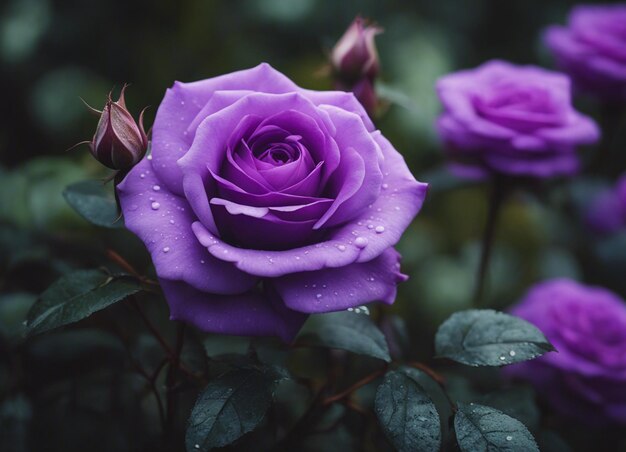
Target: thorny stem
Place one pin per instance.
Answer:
(498, 194)
(126, 266)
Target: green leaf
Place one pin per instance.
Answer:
(407, 414)
(94, 202)
(489, 338)
(230, 406)
(346, 331)
(481, 428)
(76, 296)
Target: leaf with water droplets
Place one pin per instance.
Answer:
(351, 331)
(406, 413)
(230, 406)
(94, 202)
(76, 296)
(488, 338)
(481, 428)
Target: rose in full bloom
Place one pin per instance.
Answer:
(592, 49)
(263, 202)
(607, 212)
(515, 120)
(586, 379)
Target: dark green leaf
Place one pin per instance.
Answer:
(407, 414)
(94, 201)
(230, 406)
(481, 428)
(346, 331)
(518, 403)
(76, 296)
(489, 338)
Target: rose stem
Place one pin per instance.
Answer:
(498, 193)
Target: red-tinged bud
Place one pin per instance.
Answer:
(355, 56)
(119, 142)
(366, 95)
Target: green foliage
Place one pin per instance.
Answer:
(94, 201)
(76, 296)
(480, 428)
(406, 413)
(230, 406)
(489, 338)
(349, 331)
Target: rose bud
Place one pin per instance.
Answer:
(119, 142)
(355, 56)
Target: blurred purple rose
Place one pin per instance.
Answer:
(586, 379)
(515, 120)
(607, 212)
(263, 202)
(592, 49)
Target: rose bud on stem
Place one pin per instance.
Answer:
(355, 63)
(119, 142)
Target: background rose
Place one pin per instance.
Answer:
(517, 120)
(606, 213)
(592, 49)
(587, 325)
(263, 201)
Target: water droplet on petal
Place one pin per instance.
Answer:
(156, 187)
(142, 175)
(385, 186)
(166, 249)
(155, 206)
(341, 247)
(149, 157)
(360, 242)
(380, 229)
(318, 296)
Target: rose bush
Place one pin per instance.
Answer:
(262, 202)
(587, 325)
(514, 120)
(592, 49)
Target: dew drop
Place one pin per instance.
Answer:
(318, 296)
(156, 187)
(509, 438)
(502, 358)
(297, 258)
(512, 353)
(155, 206)
(360, 242)
(385, 186)
(341, 247)
(133, 207)
(202, 261)
(370, 226)
(380, 229)
(142, 175)
(171, 221)
(166, 249)
(149, 157)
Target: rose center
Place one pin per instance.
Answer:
(278, 154)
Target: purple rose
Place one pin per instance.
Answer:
(607, 211)
(515, 120)
(586, 379)
(263, 202)
(592, 49)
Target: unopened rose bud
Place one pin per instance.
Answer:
(355, 56)
(119, 142)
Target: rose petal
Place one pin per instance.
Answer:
(163, 222)
(361, 240)
(341, 288)
(248, 314)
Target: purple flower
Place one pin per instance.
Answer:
(515, 120)
(586, 379)
(607, 211)
(592, 49)
(263, 202)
